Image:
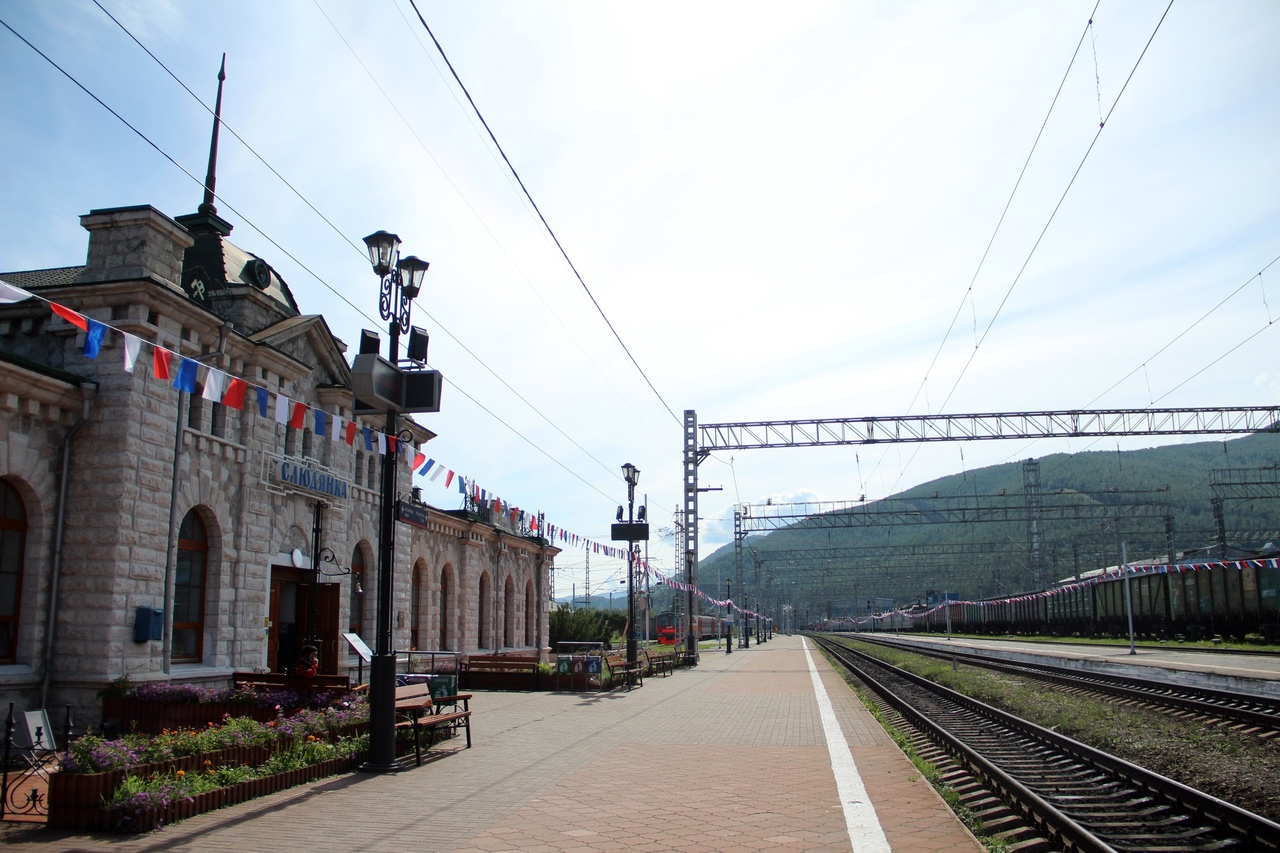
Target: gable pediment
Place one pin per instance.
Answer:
(307, 339)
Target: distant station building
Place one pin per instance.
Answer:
(91, 555)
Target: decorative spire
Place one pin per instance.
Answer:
(210, 177)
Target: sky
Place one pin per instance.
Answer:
(781, 211)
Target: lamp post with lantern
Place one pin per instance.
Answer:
(401, 281)
(631, 531)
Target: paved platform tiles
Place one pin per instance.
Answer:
(728, 756)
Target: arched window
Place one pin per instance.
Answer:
(188, 591)
(219, 425)
(357, 593)
(195, 409)
(529, 615)
(13, 545)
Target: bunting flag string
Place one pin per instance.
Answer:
(184, 374)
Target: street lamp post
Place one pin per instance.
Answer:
(632, 475)
(401, 282)
(631, 531)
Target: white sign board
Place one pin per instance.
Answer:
(366, 654)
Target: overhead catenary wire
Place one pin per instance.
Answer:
(1058, 206)
(968, 292)
(361, 251)
(483, 224)
(1048, 222)
(546, 224)
(283, 250)
(569, 334)
(1165, 347)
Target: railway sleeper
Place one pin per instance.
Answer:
(1151, 812)
(1020, 836)
(1079, 786)
(1125, 832)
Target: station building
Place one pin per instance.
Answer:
(88, 529)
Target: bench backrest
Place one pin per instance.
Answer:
(413, 691)
(267, 680)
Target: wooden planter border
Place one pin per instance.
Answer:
(75, 799)
(99, 819)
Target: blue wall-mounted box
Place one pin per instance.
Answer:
(148, 624)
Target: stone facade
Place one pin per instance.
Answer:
(462, 581)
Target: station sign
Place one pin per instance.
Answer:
(412, 514)
(291, 474)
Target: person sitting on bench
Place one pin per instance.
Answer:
(309, 664)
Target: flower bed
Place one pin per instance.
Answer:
(152, 708)
(161, 770)
(141, 803)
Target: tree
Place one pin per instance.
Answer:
(585, 625)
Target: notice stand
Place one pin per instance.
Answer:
(361, 649)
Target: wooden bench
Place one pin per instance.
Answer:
(500, 663)
(621, 670)
(335, 684)
(413, 699)
(655, 663)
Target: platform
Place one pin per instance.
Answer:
(731, 755)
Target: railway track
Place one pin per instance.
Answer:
(1076, 798)
(1257, 714)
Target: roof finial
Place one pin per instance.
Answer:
(210, 177)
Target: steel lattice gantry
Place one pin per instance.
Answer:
(916, 429)
(964, 509)
(1136, 507)
(699, 442)
(1245, 483)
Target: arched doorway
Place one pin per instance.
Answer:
(446, 611)
(13, 548)
(509, 612)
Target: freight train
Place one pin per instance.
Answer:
(1193, 601)
(671, 628)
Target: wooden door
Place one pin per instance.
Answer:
(330, 600)
(289, 612)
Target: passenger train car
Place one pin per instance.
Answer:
(671, 627)
(1193, 601)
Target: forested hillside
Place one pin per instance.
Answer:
(969, 533)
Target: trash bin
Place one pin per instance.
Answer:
(443, 685)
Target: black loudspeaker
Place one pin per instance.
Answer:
(418, 339)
